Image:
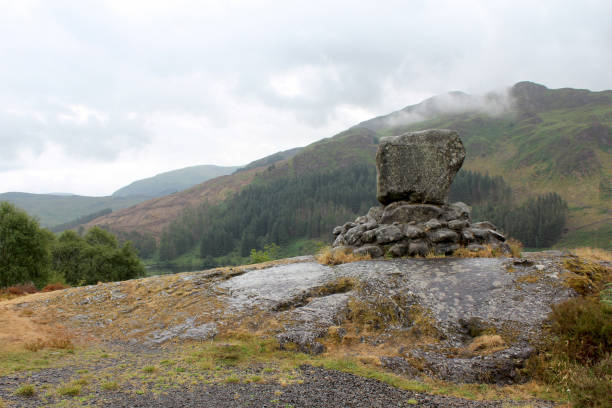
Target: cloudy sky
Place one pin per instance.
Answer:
(97, 94)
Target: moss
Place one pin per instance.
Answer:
(586, 277)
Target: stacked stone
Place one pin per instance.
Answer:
(415, 171)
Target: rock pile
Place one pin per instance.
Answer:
(415, 171)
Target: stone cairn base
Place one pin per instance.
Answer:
(404, 228)
(415, 171)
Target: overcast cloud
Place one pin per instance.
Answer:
(94, 95)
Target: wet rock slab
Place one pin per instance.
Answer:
(492, 291)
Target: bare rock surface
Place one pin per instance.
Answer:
(310, 307)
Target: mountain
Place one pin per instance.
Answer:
(538, 140)
(172, 181)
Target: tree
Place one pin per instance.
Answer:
(24, 248)
(96, 257)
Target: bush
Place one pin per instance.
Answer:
(576, 355)
(97, 257)
(584, 330)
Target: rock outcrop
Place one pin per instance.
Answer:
(415, 171)
(418, 167)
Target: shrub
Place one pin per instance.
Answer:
(54, 286)
(22, 289)
(584, 328)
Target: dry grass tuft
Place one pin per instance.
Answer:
(516, 247)
(336, 256)
(486, 344)
(487, 252)
(593, 254)
(57, 342)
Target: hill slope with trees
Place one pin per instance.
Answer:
(544, 155)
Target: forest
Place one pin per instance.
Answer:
(309, 206)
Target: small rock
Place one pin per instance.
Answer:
(389, 233)
(475, 247)
(368, 236)
(353, 235)
(443, 235)
(361, 219)
(398, 250)
(484, 225)
(467, 236)
(458, 224)
(444, 248)
(338, 230)
(497, 235)
(404, 212)
(432, 225)
(339, 241)
(457, 211)
(419, 248)
(373, 250)
(375, 213)
(412, 232)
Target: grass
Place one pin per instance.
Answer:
(109, 386)
(69, 390)
(58, 342)
(336, 256)
(26, 390)
(592, 254)
(226, 359)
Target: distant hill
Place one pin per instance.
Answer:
(539, 140)
(173, 181)
(53, 210)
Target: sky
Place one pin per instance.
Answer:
(97, 94)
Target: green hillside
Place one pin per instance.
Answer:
(52, 210)
(172, 181)
(546, 154)
(550, 140)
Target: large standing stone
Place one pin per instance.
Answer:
(418, 167)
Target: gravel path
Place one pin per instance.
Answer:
(320, 388)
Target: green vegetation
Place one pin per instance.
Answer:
(277, 211)
(24, 248)
(305, 207)
(29, 253)
(597, 238)
(268, 253)
(576, 355)
(537, 223)
(26, 390)
(96, 257)
(54, 210)
(81, 220)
